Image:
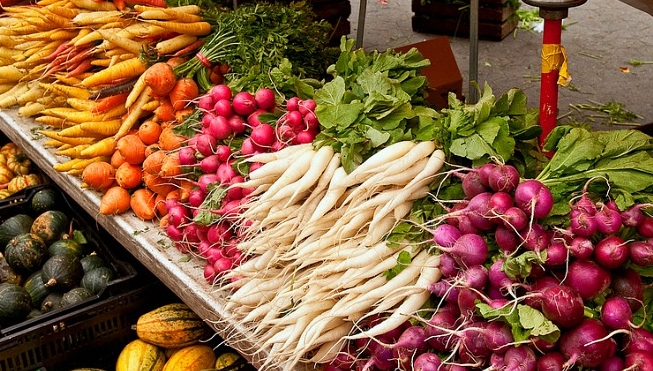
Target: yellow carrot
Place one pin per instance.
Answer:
(82, 33)
(195, 28)
(70, 114)
(103, 147)
(31, 95)
(170, 15)
(174, 44)
(57, 20)
(104, 62)
(11, 73)
(63, 35)
(79, 166)
(31, 109)
(77, 131)
(68, 80)
(128, 44)
(142, 29)
(63, 11)
(81, 104)
(96, 17)
(88, 38)
(52, 121)
(136, 91)
(6, 86)
(105, 128)
(10, 97)
(121, 70)
(151, 106)
(67, 90)
(74, 163)
(72, 152)
(94, 5)
(53, 143)
(53, 134)
(188, 9)
(134, 113)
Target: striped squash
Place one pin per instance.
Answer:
(171, 326)
(138, 355)
(191, 358)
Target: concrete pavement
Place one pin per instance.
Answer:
(601, 37)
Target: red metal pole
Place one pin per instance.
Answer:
(552, 59)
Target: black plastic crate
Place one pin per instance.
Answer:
(126, 268)
(91, 336)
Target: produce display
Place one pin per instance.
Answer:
(345, 222)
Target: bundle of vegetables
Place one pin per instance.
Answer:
(16, 170)
(253, 39)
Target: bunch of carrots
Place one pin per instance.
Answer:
(92, 73)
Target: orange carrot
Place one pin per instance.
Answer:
(116, 159)
(160, 205)
(158, 184)
(132, 149)
(170, 166)
(149, 132)
(143, 203)
(161, 78)
(165, 112)
(169, 140)
(114, 201)
(109, 102)
(183, 93)
(99, 175)
(153, 162)
(129, 176)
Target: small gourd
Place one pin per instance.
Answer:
(15, 304)
(62, 272)
(35, 286)
(172, 325)
(192, 358)
(26, 253)
(45, 199)
(20, 182)
(139, 355)
(50, 225)
(19, 163)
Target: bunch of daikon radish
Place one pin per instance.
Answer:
(317, 250)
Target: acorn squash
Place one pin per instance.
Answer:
(62, 272)
(50, 225)
(66, 246)
(26, 253)
(45, 199)
(51, 302)
(15, 304)
(12, 227)
(74, 296)
(35, 286)
(7, 273)
(92, 261)
(96, 280)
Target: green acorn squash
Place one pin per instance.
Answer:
(96, 280)
(35, 286)
(26, 253)
(92, 261)
(51, 302)
(12, 227)
(45, 199)
(15, 304)
(66, 246)
(7, 273)
(51, 225)
(74, 296)
(62, 272)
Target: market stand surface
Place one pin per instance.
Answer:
(601, 38)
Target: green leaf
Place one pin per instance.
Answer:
(473, 147)
(539, 326)
(403, 261)
(331, 93)
(78, 236)
(377, 137)
(520, 265)
(211, 202)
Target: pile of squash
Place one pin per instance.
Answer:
(174, 338)
(16, 170)
(44, 263)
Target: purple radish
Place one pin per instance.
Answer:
(448, 266)
(627, 283)
(468, 250)
(586, 344)
(615, 363)
(552, 361)
(588, 278)
(507, 239)
(534, 198)
(645, 228)
(484, 173)
(582, 224)
(473, 347)
(498, 278)
(632, 216)
(520, 358)
(608, 220)
(616, 313)
(445, 235)
(503, 178)
(640, 339)
(427, 362)
(638, 361)
(472, 184)
(445, 290)
(499, 203)
(535, 237)
(581, 248)
(585, 205)
(611, 252)
(515, 218)
(556, 254)
(479, 213)
(562, 305)
(498, 336)
(439, 331)
(381, 358)
(641, 253)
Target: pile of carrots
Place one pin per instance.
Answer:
(98, 76)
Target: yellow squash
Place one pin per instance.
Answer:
(171, 326)
(191, 358)
(140, 356)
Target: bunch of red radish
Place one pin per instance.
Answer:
(584, 280)
(231, 128)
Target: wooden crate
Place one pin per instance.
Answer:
(496, 18)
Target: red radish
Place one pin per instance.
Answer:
(551, 361)
(305, 137)
(615, 363)
(562, 305)
(503, 178)
(230, 208)
(611, 252)
(616, 313)
(582, 345)
(311, 121)
(640, 339)
(608, 220)
(187, 156)
(278, 146)
(209, 273)
(177, 215)
(263, 135)
(582, 224)
(468, 250)
(641, 253)
(222, 107)
(292, 104)
(221, 91)
(206, 102)
(225, 173)
(265, 99)
(248, 147)
(220, 128)
(219, 233)
(244, 103)
(627, 283)
(223, 152)
(645, 228)
(195, 197)
(507, 239)
(237, 124)
(222, 265)
(306, 106)
(205, 181)
(445, 235)
(581, 248)
(515, 218)
(206, 119)
(206, 144)
(210, 164)
(285, 133)
(534, 198)
(588, 278)
(295, 120)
